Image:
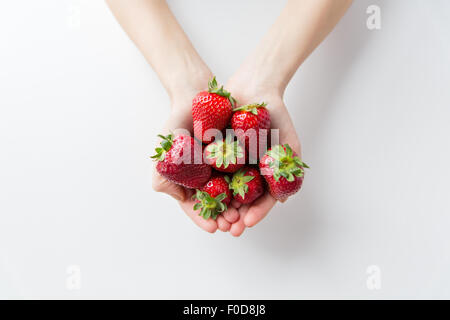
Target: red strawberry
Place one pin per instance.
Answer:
(250, 122)
(225, 155)
(283, 171)
(177, 161)
(213, 198)
(247, 185)
(211, 109)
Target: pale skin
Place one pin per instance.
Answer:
(263, 76)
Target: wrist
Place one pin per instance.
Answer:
(185, 85)
(245, 88)
(254, 81)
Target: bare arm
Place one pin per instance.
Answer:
(302, 25)
(300, 28)
(264, 75)
(162, 41)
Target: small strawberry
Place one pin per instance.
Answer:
(283, 171)
(251, 124)
(225, 155)
(177, 161)
(247, 185)
(211, 109)
(213, 198)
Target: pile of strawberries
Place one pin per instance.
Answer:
(218, 168)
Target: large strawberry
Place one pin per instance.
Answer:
(251, 124)
(247, 185)
(283, 171)
(211, 109)
(178, 161)
(213, 198)
(225, 155)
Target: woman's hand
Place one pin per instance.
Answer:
(263, 77)
(181, 118)
(250, 215)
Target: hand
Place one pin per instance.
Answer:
(181, 117)
(263, 77)
(250, 215)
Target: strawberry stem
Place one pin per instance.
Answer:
(209, 207)
(166, 144)
(253, 107)
(239, 183)
(214, 88)
(225, 152)
(285, 164)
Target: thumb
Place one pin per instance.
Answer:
(161, 184)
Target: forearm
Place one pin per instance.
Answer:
(155, 31)
(301, 27)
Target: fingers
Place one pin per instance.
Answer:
(236, 204)
(209, 225)
(223, 224)
(231, 215)
(161, 184)
(259, 209)
(238, 227)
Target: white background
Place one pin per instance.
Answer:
(79, 112)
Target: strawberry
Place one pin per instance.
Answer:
(177, 161)
(225, 155)
(247, 185)
(211, 109)
(283, 171)
(213, 198)
(250, 122)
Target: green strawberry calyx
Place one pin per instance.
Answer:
(253, 107)
(214, 88)
(225, 152)
(285, 164)
(209, 207)
(239, 183)
(166, 144)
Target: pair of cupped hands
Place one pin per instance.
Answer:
(237, 217)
